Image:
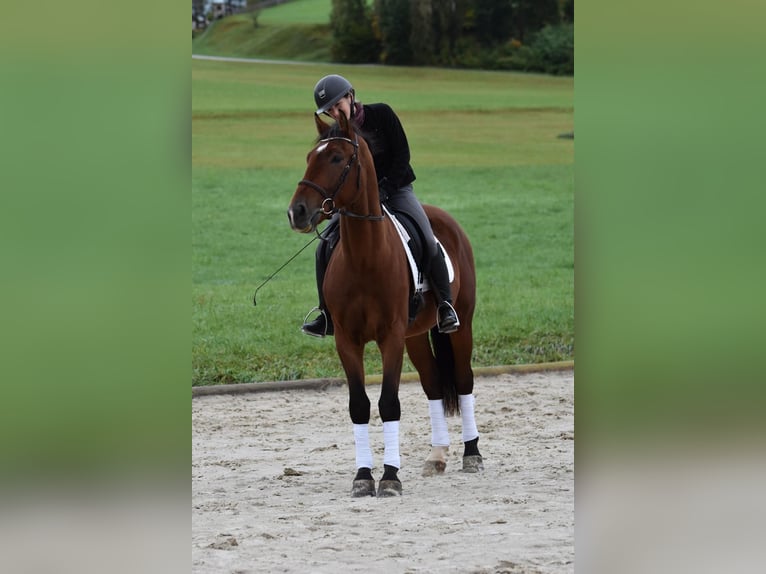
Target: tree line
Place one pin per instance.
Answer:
(530, 35)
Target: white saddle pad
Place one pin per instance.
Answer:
(420, 285)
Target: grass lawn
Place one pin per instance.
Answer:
(297, 12)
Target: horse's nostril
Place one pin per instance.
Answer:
(297, 214)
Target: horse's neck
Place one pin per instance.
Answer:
(362, 240)
(363, 229)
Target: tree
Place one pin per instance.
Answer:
(393, 18)
(529, 16)
(568, 10)
(421, 32)
(353, 39)
(492, 19)
(448, 21)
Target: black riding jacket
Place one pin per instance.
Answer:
(388, 143)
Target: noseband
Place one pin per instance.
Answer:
(328, 205)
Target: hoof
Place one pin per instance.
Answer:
(436, 462)
(363, 487)
(473, 463)
(433, 467)
(388, 488)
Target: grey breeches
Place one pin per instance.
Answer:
(404, 201)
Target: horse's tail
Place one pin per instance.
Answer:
(445, 363)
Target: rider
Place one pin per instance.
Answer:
(334, 95)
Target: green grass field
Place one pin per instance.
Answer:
(484, 146)
(297, 12)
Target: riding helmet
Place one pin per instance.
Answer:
(329, 90)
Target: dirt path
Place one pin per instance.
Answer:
(272, 472)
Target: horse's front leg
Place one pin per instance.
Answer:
(352, 358)
(392, 353)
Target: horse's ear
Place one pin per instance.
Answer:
(321, 126)
(345, 125)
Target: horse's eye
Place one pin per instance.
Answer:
(337, 158)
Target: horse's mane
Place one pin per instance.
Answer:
(334, 130)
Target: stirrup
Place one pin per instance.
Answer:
(450, 328)
(306, 323)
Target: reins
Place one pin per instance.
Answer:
(328, 205)
(270, 277)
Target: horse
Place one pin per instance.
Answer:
(368, 292)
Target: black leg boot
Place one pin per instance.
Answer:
(319, 327)
(446, 316)
(322, 325)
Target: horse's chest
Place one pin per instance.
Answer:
(372, 288)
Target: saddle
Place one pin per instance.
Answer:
(412, 242)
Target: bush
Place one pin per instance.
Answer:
(470, 54)
(553, 49)
(516, 57)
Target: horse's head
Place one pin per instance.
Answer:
(333, 177)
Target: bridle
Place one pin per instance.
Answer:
(328, 204)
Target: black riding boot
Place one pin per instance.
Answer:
(446, 316)
(322, 325)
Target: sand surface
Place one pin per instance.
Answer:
(272, 473)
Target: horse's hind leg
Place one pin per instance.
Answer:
(421, 355)
(462, 347)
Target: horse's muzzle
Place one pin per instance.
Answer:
(301, 219)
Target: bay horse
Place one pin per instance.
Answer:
(367, 289)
